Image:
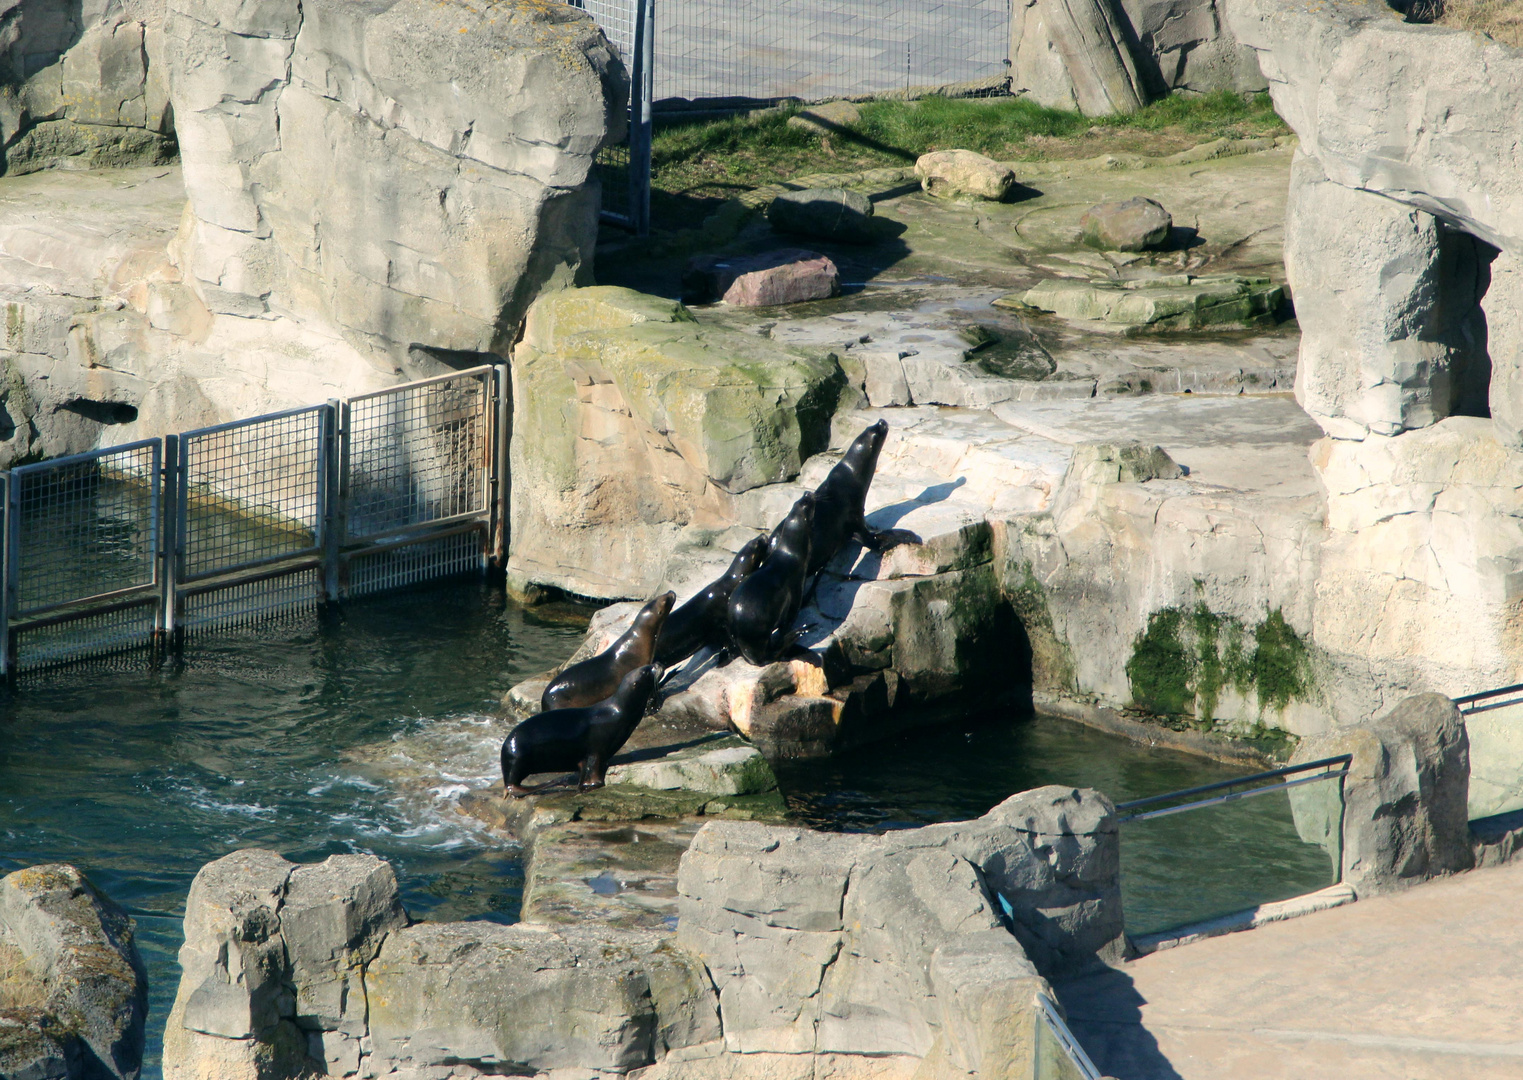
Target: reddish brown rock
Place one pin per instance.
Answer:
(776, 277)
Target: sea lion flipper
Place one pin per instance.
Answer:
(888, 538)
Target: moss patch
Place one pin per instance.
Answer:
(1183, 661)
(1052, 666)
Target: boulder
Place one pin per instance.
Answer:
(963, 174)
(1403, 815)
(1166, 303)
(1075, 54)
(633, 422)
(83, 994)
(827, 119)
(406, 173)
(1135, 224)
(824, 214)
(775, 277)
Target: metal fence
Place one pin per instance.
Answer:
(136, 545)
(723, 55)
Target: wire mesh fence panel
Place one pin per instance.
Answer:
(726, 54)
(88, 637)
(253, 491)
(419, 454)
(87, 526)
(251, 602)
(410, 564)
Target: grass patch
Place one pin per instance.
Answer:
(697, 163)
(1500, 20)
(19, 987)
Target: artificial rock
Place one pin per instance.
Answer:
(1134, 224)
(84, 86)
(85, 1015)
(407, 173)
(963, 174)
(1407, 196)
(787, 276)
(632, 422)
(1404, 816)
(824, 214)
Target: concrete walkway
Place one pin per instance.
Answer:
(1425, 985)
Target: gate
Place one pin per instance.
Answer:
(137, 545)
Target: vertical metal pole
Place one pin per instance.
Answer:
(172, 519)
(328, 498)
(642, 85)
(501, 479)
(12, 544)
(340, 520)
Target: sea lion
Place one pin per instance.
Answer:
(762, 608)
(596, 678)
(701, 621)
(840, 502)
(584, 738)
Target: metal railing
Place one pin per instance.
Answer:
(1474, 701)
(135, 545)
(1058, 1054)
(1331, 768)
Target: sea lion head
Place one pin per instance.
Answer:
(793, 532)
(650, 618)
(865, 448)
(746, 560)
(638, 688)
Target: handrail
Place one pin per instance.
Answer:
(1342, 760)
(1467, 699)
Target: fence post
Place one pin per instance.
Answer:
(12, 544)
(329, 485)
(171, 501)
(502, 480)
(642, 86)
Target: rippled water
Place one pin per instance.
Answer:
(354, 731)
(141, 778)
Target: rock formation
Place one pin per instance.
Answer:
(84, 86)
(632, 422)
(1403, 816)
(1102, 57)
(870, 956)
(374, 195)
(1404, 225)
(73, 995)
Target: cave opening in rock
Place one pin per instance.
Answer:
(1463, 278)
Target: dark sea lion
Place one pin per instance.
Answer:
(590, 681)
(701, 621)
(583, 739)
(840, 502)
(763, 607)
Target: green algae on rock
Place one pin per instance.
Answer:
(1168, 302)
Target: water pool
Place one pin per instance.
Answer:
(272, 738)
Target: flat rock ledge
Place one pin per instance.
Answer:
(790, 954)
(73, 993)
